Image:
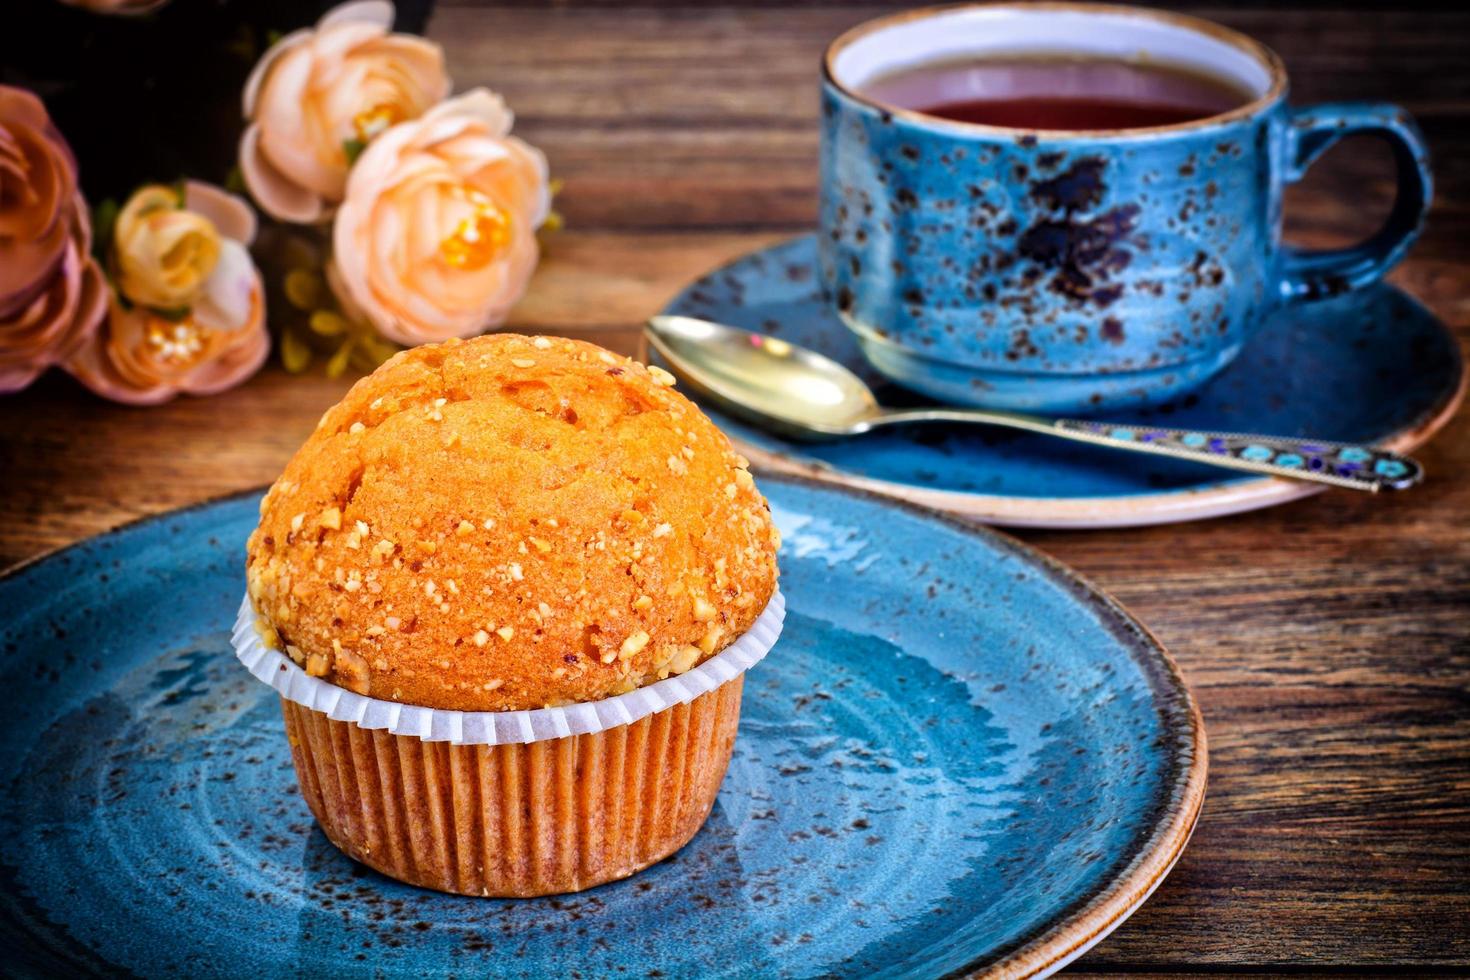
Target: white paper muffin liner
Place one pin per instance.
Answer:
(502, 727)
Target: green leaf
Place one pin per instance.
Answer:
(104, 220)
(353, 149)
(173, 314)
(295, 354)
(338, 361)
(235, 180)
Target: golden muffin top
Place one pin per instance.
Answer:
(510, 522)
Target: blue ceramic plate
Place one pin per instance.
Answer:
(1371, 367)
(957, 756)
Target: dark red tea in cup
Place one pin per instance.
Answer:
(1058, 92)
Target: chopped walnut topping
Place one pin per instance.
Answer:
(494, 685)
(465, 527)
(633, 644)
(522, 362)
(677, 466)
(297, 521)
(711, 637)
(352, 670)
(481, 638)
(683, 660)
(516, 574)
(660, 376)
(540, 545)
(731, 490)
(662, 530)
(488, 523)
(356, 427)
(704, 610)
(642, 602)
(505, 633)
(332, 518)
(541, 343)
(316, 665)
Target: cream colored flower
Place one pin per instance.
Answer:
(163, 252)
(318, 96)
(141, 356)
(436, 236)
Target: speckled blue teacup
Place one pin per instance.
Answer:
(1069, 271)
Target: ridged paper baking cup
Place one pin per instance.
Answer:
(515, 820)
(502, 727)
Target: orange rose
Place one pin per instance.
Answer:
(317, 97)
(436, 237)
(144, 356)
(52, 293)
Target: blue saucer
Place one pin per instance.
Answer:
(1370, 367)
(922, 783)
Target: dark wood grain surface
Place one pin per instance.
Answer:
(1328, 640)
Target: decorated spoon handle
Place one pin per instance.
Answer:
(1340, 464)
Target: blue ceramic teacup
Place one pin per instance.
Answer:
(1067, 270)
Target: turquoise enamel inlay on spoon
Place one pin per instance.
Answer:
(802, 394)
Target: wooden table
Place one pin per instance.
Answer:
(1328, 640)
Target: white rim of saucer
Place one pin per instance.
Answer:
(502, 727)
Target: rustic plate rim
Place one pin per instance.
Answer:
(1072, 934)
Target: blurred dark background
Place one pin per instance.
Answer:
(154, 96)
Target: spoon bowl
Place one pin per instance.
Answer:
(766, 380)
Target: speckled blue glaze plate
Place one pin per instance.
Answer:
(1371, 367)
(957, 757)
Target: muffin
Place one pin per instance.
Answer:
(511, 524)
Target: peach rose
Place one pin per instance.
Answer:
(141, 356)
(317, 97)
(436, 237)
(52, 293)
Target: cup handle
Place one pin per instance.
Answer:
(1317, 274)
